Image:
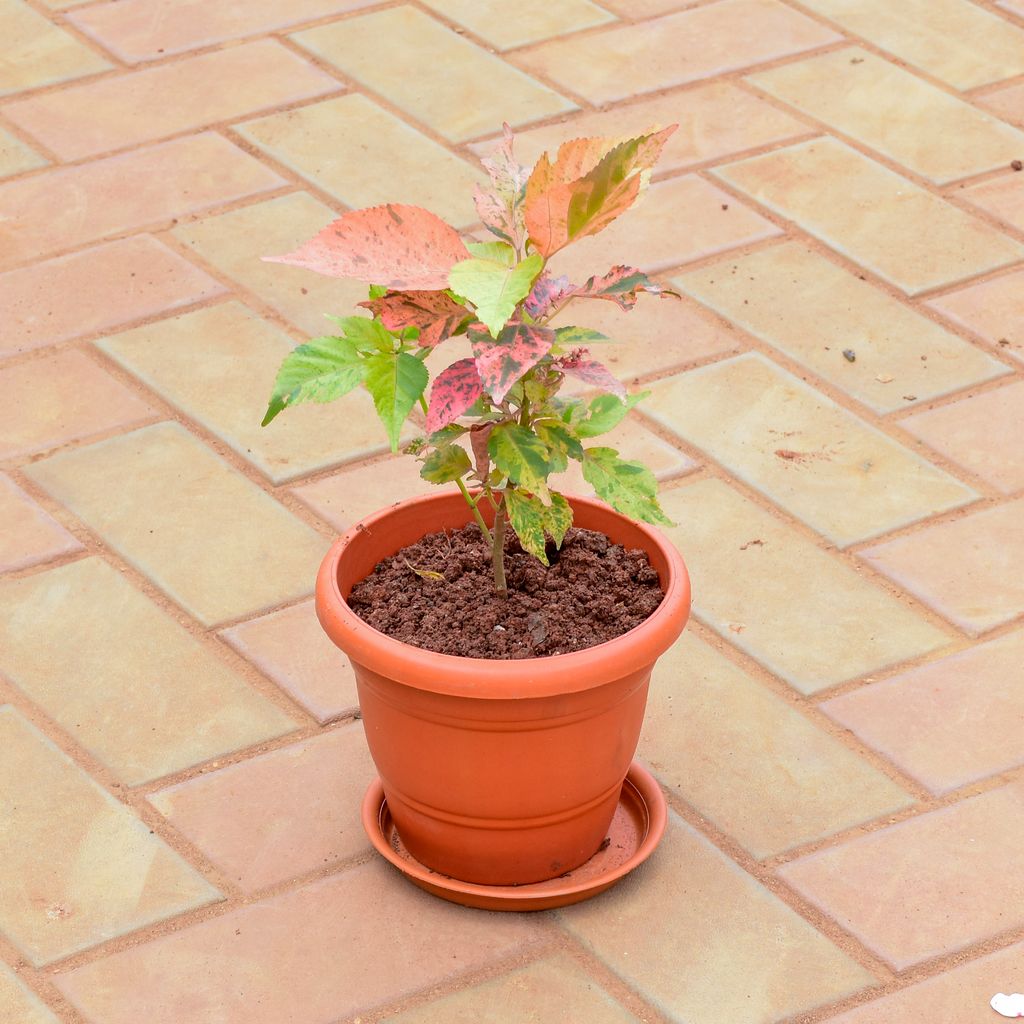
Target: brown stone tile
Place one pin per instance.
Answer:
(994, 310)
(130, 109)
(706, 943)
(1006, 103)
(123, 679)
(76, 866)
(18, 1003)
(928, 886)
(443, 80)
(17, 156)
(966, 569)
(532, 21)
(318, 954)
(625, 60)
(913, 239)
(64, 397)
(29, 535)
(1002, 197)
(95, 290)
(205, 535)
(124, 193)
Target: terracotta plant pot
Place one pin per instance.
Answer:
(498, 772)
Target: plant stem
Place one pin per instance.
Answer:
(476, 512)
(498, 552)
(423, 404)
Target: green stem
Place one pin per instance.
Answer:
(498, 552)
(476, 511)
(423, 404)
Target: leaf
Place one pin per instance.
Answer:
(436, 314)
(446, 464)
(502, 361)
(561, 442)
(494, 287)
(424, 574)
(546, 291)
(579, 364)
(558, 519)
(620, 285)
(501, 210)
(575, 336)
(605, 413)
(532, 520)
(368, 335)
(479, 434)
(395, 383)
(403, 247)
(629, 487)
(319, 371)
(454, 390)
(520, 455)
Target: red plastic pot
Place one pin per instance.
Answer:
(498, 772)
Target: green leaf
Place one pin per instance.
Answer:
(494, 286)
(497, 252)
(561, 442)
(447, 434)
(369, 335)
(446, 464)
(395, 383)
(319, 371)
(526, 517)
(574, 337)
(378, 291)
(605, 413)
(558, 518)
(520, 455)
(629, 487)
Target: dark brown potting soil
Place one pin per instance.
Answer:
(593, 591)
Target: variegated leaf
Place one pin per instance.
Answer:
(436, 314)
(578, 364)
(503, 360)
(629, 487)
(546, 292)
(521, 456)
(501, 210)
(454, 390)
(621, 285)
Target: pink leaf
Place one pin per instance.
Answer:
(547, 290)
(436, 314)
(403, 247)
(503, 360)
(453, 392)
(501, 210)
(579, 364)
(620, 285)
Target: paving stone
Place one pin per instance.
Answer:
(947, 723)
(96, 289)
(529, 21)
(750, 762)
(1002, 197)
(811, 620)
(994, 310)
(128, 683)
(965, 569)
(204, 534)
(280, 815)
(954, 40)
(1006, 103)
(706, 943)
(64, 397)
(441, 79)
(801, 449)
(76, 866)
(126, 110)
(1013, 6)
(17, 156)
(896, 113)
(124, 193)
(317, 954)
(937, 883)
(808, 308)
(363, 155)
(684, 47)
(218, 366)
(974, 433)
(912, 239)
(29, 535)
(640, 9)
(19, 1004)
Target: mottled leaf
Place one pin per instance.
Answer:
(546, 293)
(319, 371)
(395, 383)
(526, 517)
(605, 413)
(501, 207)
(558, 518)
(561, 442)
(436, 314)
(503, 360)
(454, 390)
(446, 464)
(579, 364)
(576, 336)
(494, 286)
(629, 487)
(520, 455)
(479, 434)
(621, 285)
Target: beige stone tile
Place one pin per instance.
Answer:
(994, 310)
(811, 620)
(529, 21)
(1013, 6)
(966, 569)
(758, 961)
(908, 236)
(18, 1003)
(1002, 197)
(811, 310)
(363, 155)
(122, 678)
(37, 52)
(750, 762)
(539, 993)
(318, 953)
(204, 534)
(218, 366)
(976, 432)
(130, 109)
(124, 193)
(441, 79)
(640, 9)
(801, 449)
(29, 535)
(64, 397)
(896, 113)
(684, 47)
(1006, 103)
(77, 866)
(17, 156)
(954, 40)
(96, 289)
(937, 883)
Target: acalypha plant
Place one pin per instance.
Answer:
(428, 287)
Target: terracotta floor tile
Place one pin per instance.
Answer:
(363, 155)
(531, 21)
(19, 1004)
(64, 397)
(965, 569)
(76, 866)
(896, 113)
(994, 310)
(127, 110)
(706, 943)
(124, 193)
(811, 310)
(911, 238)
(1002, 197)
(29, 535)
(96, 289)
(121, 677)
(201, 531)
(316, 955)
(17, 156)
(1006, 103)
(443, 80)
(780, 622)
(928, 886)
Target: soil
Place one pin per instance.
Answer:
(592, 592)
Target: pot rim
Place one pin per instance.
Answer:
(494, 678)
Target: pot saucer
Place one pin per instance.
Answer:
(636, 828)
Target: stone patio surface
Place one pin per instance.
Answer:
(836, 412)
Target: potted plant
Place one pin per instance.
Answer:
(502, 634)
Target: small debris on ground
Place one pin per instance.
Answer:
(849, 355)
(885, 378)
(751, 543)
(1017, 165)
(910, 398)
(1004, 342)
